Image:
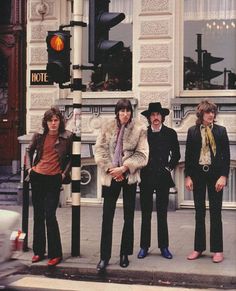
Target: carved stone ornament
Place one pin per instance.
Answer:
(184, 106)
(155, 29)
(95, 122)
(42, 9)
(155, 52)
(147, 97)
(155, 6)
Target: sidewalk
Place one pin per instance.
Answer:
(154, 269)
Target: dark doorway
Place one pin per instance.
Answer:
(12, 80)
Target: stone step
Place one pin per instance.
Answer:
(9, 190)
(8, 198)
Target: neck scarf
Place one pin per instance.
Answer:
(210, 140)
(117, 160)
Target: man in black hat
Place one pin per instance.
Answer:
(156, 176)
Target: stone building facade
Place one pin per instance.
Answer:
(157, 76)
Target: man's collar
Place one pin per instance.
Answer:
(204, 126)
(156, 130)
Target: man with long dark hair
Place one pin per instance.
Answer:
(156, 177)
(48, 165)
(207, 161)
(121, 151)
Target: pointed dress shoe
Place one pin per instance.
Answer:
(54, 261)
(124, 261)
(37, 258)
(101, 266)
(217, 257)
(166, 253)
(142, 253)
(194, 255)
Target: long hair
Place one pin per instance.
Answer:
(123, 104)
(205, 107)
(48, 116)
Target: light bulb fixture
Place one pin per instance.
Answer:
(220, 25)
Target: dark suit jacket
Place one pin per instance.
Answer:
(164, 155)
(220, 163)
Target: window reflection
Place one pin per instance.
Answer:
(116, 74)
(209, 45)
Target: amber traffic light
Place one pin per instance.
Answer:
(58, 47)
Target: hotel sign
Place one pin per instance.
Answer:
(39, 77)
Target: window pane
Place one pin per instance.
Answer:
(5, 11)
(209, 45)
(116, 74)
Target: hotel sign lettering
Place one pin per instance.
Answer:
(39, 77)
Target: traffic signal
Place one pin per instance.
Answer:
(100, 22)
(208, 60)
(192, 73)
(231, 80)
(58, 47)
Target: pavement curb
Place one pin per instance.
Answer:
(126, 276)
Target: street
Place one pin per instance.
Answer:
(42, 283)
(152, 270)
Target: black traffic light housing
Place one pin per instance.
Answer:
(208, 60)
(58, 47)
(231, 80)
(100, 22)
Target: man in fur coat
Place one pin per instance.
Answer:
(156, 176)
(121, 151)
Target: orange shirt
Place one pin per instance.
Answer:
(49, 163)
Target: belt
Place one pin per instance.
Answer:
(205, 168)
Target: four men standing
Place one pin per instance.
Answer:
(121, 151)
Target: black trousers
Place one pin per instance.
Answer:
(111, 195)
(146, 202)
(45, 199)
(202, 181)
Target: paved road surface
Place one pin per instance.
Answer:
(42, 283)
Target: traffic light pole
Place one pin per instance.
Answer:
(77, 110)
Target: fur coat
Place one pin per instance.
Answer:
(135, 150)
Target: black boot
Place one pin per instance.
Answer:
(124, 261)
(101, 266)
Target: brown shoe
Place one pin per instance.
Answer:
(194, 255)
(218, 257)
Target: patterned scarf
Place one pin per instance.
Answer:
(210, 140)
(117, 160)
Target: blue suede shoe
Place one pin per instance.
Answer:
(143, 253)
(166, 253)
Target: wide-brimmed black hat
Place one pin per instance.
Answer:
(155, 107)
